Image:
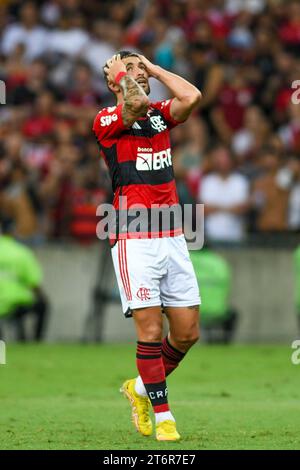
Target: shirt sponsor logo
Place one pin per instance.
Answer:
(107, 120)
(145, 149)
(153, 161)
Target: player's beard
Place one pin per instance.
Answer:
(146, 88)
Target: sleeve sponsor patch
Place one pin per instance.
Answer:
(108, 119)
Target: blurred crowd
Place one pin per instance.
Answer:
(239, 153)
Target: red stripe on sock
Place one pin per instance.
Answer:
(170, 353)
(161, 408)
(149, 350)
(172, 350)
(170, 357)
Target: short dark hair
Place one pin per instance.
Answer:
(123, 55)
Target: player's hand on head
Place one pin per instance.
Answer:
(113, 67)
(151, 68)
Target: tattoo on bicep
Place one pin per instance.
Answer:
(133, 93)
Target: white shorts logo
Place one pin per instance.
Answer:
(154, 161)
(107, 120)
(143, 293)
(157, 123)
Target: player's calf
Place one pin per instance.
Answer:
(151, 368)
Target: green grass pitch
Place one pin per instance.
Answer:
(67, 397)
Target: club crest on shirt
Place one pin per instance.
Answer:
(157, 123)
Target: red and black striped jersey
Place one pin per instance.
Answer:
(139, 158)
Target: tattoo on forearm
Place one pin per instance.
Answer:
(133, 93)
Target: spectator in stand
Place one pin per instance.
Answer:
(234, 98)
(16, 68)
(34, 82)
(28, 32)
(270, 195)
(17, 203)
(56, 188)
(289, 32)
(233, 7)
(41, 122)
(225, 194)
(248, 140)
(70, 39)
(290, 132)
(105, 39)
(208, 75)
(189, 155)
(278, 91)
(90, 192)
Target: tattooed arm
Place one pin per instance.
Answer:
(135, 100)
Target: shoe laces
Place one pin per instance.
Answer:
(144, 407)
(168, 425)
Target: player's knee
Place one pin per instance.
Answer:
(151, 334)
(150, 338)
(188, 338)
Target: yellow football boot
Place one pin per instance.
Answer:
(140, 408)
(166, 431)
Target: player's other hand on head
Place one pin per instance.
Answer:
(113, 67)
(151, 68)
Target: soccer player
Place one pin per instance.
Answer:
(153, 268)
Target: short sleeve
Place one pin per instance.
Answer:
(164, 108)
(108, 123)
